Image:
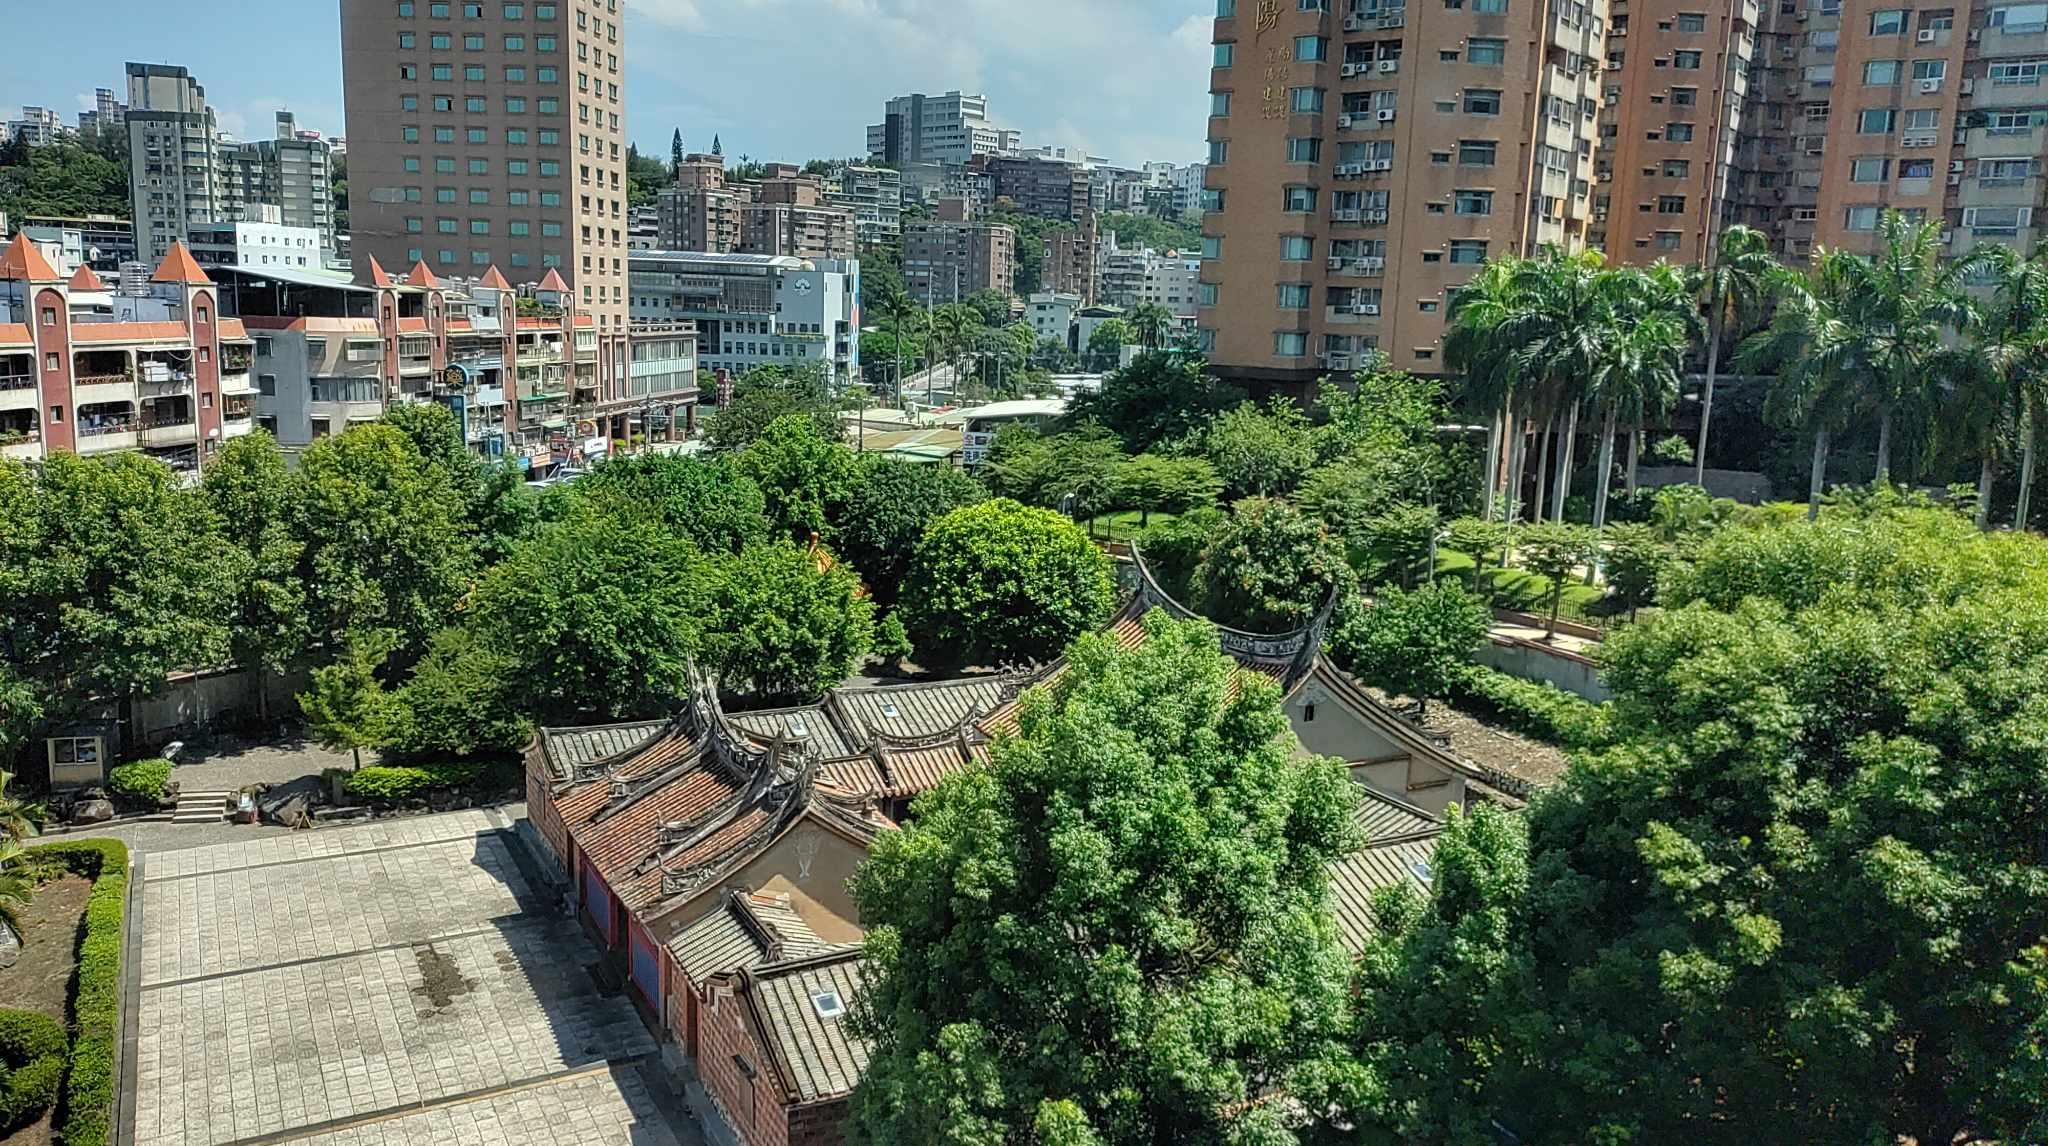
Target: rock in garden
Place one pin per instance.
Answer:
(92, 811)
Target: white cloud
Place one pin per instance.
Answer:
(799, 78)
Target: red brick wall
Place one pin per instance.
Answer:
(820, 1125)
(56, 384)
(748, 1105)
(540, 808)
(202, 319)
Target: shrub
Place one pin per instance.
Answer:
(1539, 711)
(392, 784)
(32, 1047)
(142, 782)
(89, 1094)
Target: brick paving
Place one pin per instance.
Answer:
(391, 983)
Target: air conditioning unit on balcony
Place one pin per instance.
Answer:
(1386, 115)
(1336, 264)
(1354, 24)
(1344, 215)
(1929, 87)
(1390, 65)
(1347, 170)
(1393, 20)
(1374, 216)
(1947, 237)
(1955, 179)
(1337, 361)
(1372, 264)
(1344, 121)
(1955, 166)
(1967, 86)
(1348, 70)
(1926, 36)
(1369, 308)
(1382, 165)
(1917, 141)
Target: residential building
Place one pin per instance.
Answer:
(178, 174)
(290, 173)
(87, 371)
(755, 310)
(789, 216)
(1047, 188)
(875, 196)
(37, 126)
(1130, 278)
(104, 240)
(1188, 182)
(1051, 315)
(947, 259)
(952, 128)
(1068, 262)
(1673, 95)
(1366, 158)
(257, 244)
(698, 219)
(494, 134)
(643, 228)
(107, 114)
(1086, 321)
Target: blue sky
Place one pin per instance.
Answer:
(776, 79)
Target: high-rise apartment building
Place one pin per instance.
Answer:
(178, 175)
(107, 113)
(875, 196)
(493, 133)
(949, 259)
(1365, 158)
(37, 126)
(1673, 95)
(1047, 188)
(1068, 261)
(292, 173)
(783, 213)
(755, 310)
(952, 128)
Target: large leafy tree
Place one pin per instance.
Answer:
(111, 576)
(497, 506)
(1170, 484)
(2001, 377)
(601, 615)
(384, 539)
(710, 502)
(1268, 568)
(1003, 583)
(894, 503)
(805, 476)
(786, 625)
(346, 706)
(248, 486)
(767, 394)
(1555, 551)
(1261, 451)
(1050, 961)
(460, 700)
(1157, 398)
(1415, 643)
(1075, 471)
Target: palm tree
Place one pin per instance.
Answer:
(1737, 285)
(2000, 376)
(1473, 346)
(898, 311)
(1909, 299)
(1152, 323)
(954, 327)
(1654, 322)
(1559, 326)
(1818, 352)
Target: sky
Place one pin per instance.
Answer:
(773, 79)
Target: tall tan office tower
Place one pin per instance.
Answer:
(484, 134)
(1366, 157)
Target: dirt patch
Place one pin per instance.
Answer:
(41, 979)
(441, 981)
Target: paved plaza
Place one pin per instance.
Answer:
(399, 982)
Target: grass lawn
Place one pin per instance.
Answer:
(1123, 525)
(1513, 588)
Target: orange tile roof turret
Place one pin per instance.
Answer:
(180, 267)
(22, 260)
(378, 278)
(494, 280)
(554, 282)
(422, 277)
(86, 280)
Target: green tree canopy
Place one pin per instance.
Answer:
(1110, 336)
(1635, 560)
(1261, 451)
(345, 704)
(385, 544)
(111, 577)
(1554, 551)
(601, 615)
(1269, 569)
(786, 626)
(1003, 583)
(1049, 963)
(709, 502)
(1157, 398)
(63, 179)
(1075, 470)
(805, 476)
(881, 525)
(765, 395)
(249, 487)
(1173, 485)
(497, 506)
(1418, 644)
(459, 701)
(1161, 235)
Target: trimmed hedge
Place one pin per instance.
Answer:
(142, 782)
(32, 1047)
(1539, 711)
(397, 783)
(96, 1012)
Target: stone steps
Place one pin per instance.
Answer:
(201, 808)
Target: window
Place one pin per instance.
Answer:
(444, 135)
(409, 134)
(1219, 103)
(1299, 199)
(473, 73)
(515, 136)
(1876, 120)
(543, 11)
(1304, 150)
(549, 167)
(1678, 132)
(406, 40)
(1305, 101)
(440, 41)
(1692, 21)
(515, 75)
(549, 137)
(1996, 220)
(444, 71)
(1225, 52)
(444, 194)
(405, 7)
(444, 103)
(2008, 72)
(1881, 72)
(549, 105)
(472, 11)
(1225, 9)
(1290, 344)
(1311, 48)
(551, 198)
(1468, 250)
(446, 226)
(543, 43)
(1487, 53)
(1888, 22)
(1671, 204)
(1922, 118)
(1930, 69)
(1472, 202)
(1677, 168)
(519, 228)
(1297, 248)
(1687, 60)
(473, 42)
(1479, 101)
(479, 195)
(550, 230)
(1685, 97)
(1869, 169)
(1994, 172)
(412, 163)
(438, 11)
(1916, 169)
(475, 135)
(1205, 294)
(1294, 296)
(409, 103)
(2019, 19)
(1476, 152)
(515, 11)
(414, 224)
(479, 226)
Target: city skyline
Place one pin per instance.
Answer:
(1124, 81)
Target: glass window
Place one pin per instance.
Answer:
(1479, 101)
(412, 163)
(1225, 9)
(1930, 69)
(1922, 118)
(479, 226)
(445, 226)
(409, 102)
(473, 73)
(1290, 344)
(515, 43)
(1212, 247)
(1304, 150)
(475, 105)
(479, 195)
(440, 41)
(515, 11)
(1881, 72)
(405, 7)
(1493, 7)
(479, 167)
(519, 228)
(1688, 60)
(515, 136)
(543, 11)
(1916, 169)
(1303, 101)
(438, 11)
(517, 167)
(1205, 294)
(473, 42)
(1671, 204)
(1311, 48)
(1297, 248)
(1485, 52)
(406, 40)
(444, 72)
(1888, 22)
(1219, 152)
(1298, 199)
(444, 194)
(546, 75)
(1860, 218)
(1692, 21)
(1476, 152)
(1225, 53)
(515, 105)
(543, 43)
(1472, 202)
(2019, 19)
(444, 135)
(1677, 168)
(1468, 250)
(515, 75)
(1294, 296)
(1678, 132)
(1876, 120)
(475, 135)
(1219, 103)
(549, 230)
(444, 103)
(1869, 169)
(409, 134)
(548, 105)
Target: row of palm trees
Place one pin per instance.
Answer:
(1949, 354)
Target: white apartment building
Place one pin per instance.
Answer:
(37, 125)
(267, 242)
(1051, 315)
(950, 128)
(1129, 277)
(875, 196)
(754, 310)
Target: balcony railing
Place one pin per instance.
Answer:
(123, 379)
(17, 381)
(100, 428)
